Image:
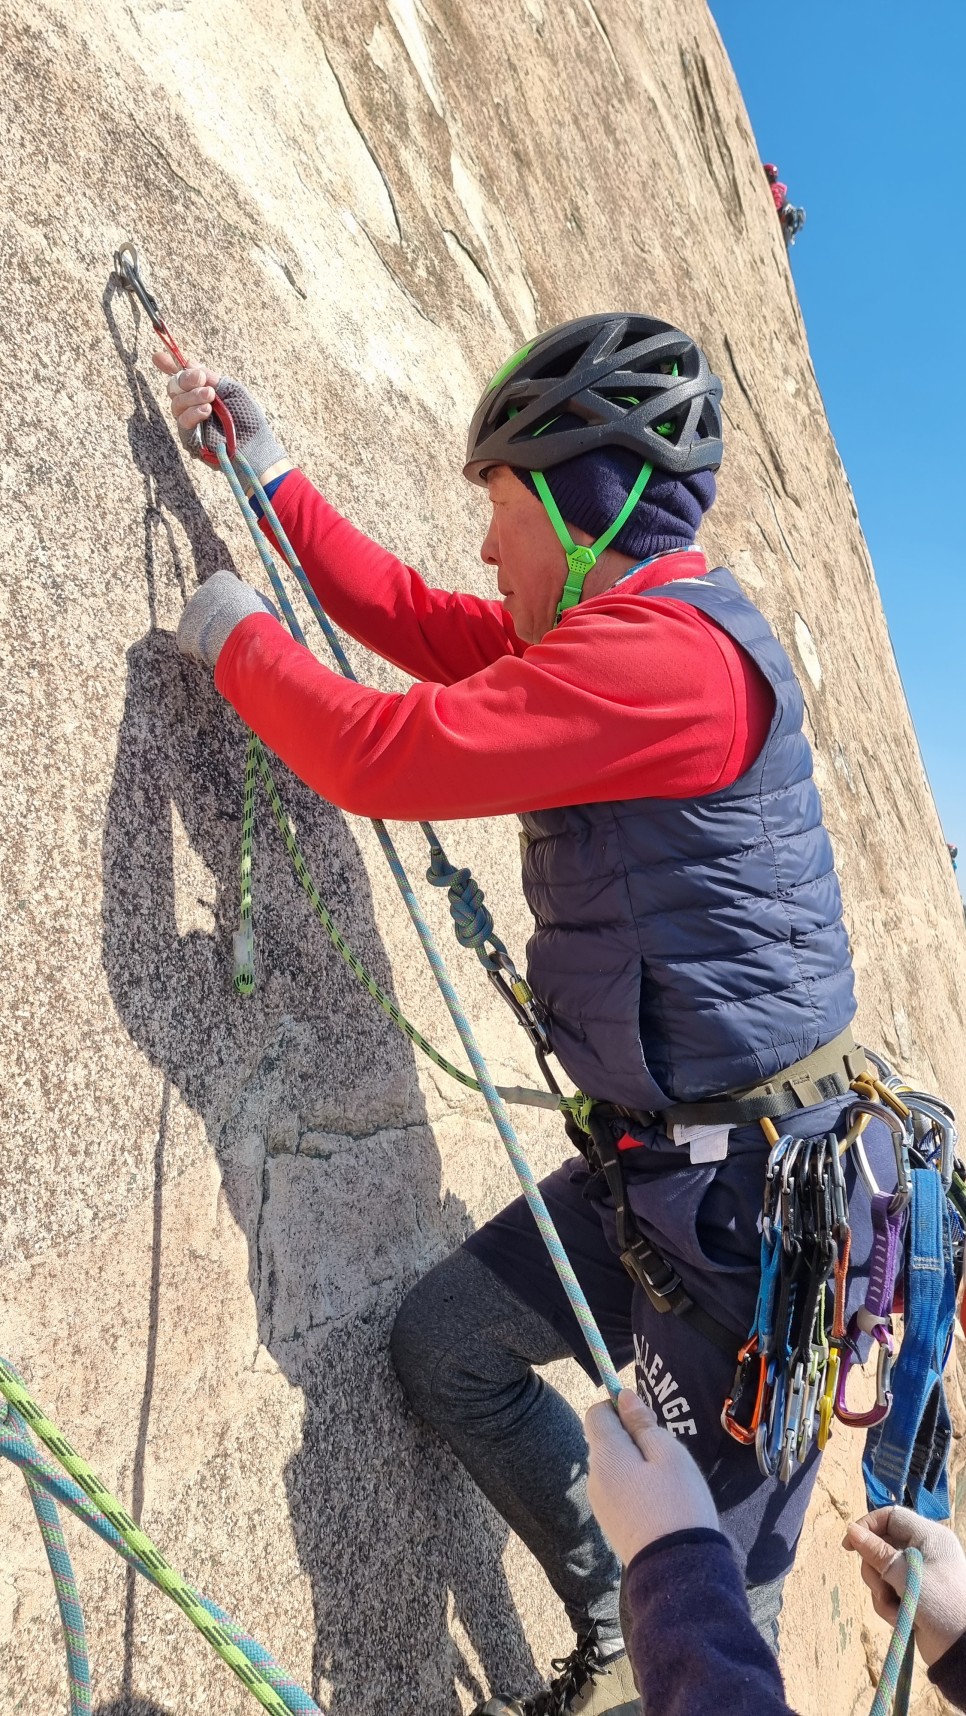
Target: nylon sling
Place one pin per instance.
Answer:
(905, 1459)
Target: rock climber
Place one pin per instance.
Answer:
(778, 190)
(791, 219)
(637, 712)
(694, 1646)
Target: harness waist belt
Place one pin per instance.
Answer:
(825, 1073)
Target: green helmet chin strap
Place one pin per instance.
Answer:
(581, 558)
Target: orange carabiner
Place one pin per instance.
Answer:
(748, 1355)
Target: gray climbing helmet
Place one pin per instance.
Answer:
(602, 381)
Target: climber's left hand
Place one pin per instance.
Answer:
(214, 611)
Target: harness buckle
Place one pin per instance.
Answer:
(660, 1282)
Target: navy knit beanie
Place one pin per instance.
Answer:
(591, 489)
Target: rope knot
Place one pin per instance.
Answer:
(471, 917)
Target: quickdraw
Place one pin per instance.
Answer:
(874, 1317)
(792, 1376)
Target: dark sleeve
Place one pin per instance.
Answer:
(695, 1648)
(949, 1674)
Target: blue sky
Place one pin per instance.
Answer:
(862, 106)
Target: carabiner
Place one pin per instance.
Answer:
(790, 1229)
(942, 1120)
(772, 1183)
(888, 1075)
(826, 1405)
(819, 1354)
(792, 1423)
(882, 1334)
(127, 267)
(902, 1195)
(749, 1357)
(516, 991)
(768, 1457)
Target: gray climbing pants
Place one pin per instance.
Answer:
(465, 1348)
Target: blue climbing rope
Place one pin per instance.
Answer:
(892, 1694)
(65, 1584)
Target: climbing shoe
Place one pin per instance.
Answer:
(584, 1684)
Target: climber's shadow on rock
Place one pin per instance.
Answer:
(132, 1707)
(311, 1103)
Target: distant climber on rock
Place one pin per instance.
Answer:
(790, 218)
(631, 705)
(778, 190)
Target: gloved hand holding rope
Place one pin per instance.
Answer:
(191, 390)
(881, 1540)
(224, 600)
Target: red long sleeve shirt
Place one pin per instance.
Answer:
(623, 699)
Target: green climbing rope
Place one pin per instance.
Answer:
(213, 1625)
(513, 1094)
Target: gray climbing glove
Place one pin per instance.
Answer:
(642, 1482)
(214, 611)
(880, 1539)
(256, 439)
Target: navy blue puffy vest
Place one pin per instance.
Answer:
(685, 947)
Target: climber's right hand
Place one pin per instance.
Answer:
(880, 1539)
(642, 1482)
(191, 390)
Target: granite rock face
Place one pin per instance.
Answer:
(212, 1206)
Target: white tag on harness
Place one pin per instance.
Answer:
(707, 1143)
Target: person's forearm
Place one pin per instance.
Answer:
(432, 634)
(520, 734)
(695, 1648)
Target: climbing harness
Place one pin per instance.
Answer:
(83, 1493)
(643, 1262)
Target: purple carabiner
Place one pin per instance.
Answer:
(882, 1333)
